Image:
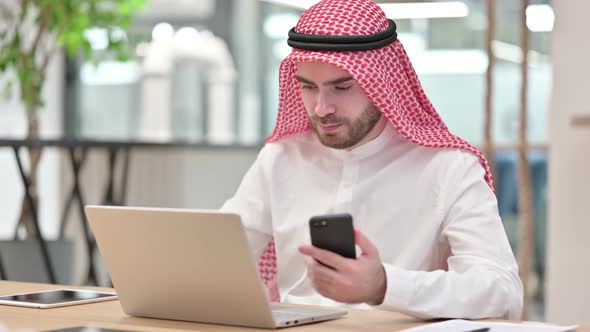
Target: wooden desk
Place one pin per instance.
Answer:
(110, 315)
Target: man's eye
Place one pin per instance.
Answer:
(343, 88)
(307, 87)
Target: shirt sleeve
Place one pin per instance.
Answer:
(482, 278)
(251, 202)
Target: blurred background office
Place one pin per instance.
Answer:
(179, 123)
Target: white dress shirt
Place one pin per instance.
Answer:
(429, 211)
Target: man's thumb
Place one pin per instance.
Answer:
(363, 242)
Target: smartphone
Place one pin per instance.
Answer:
(333, 232)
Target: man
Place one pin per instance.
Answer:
(356, 133)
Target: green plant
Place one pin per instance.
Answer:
(32, 31)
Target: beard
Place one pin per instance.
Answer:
(353, 131)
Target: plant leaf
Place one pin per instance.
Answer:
(7, 90)
(68, 20)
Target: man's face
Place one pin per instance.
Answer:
(339, 111)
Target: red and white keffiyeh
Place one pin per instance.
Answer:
(385, 75)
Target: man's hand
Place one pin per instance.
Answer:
(347, 280)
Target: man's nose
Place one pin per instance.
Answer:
(324, 106)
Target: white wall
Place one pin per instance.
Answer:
(13, 125)
(568, 262)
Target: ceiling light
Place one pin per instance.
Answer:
(540, 18)
(399, 10)
(299, 4)
(425, 9)
(162, 31)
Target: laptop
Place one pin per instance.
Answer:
(190, 265)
